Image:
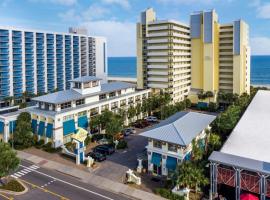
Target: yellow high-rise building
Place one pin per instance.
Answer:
(220, 56)
(163, 55)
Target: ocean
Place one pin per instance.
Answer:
(126, 67)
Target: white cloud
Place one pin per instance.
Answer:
(69, 16)
(95, 12)
(60, 2)
(123, 3)
(260, 46)
(121, 36)
(263, 11)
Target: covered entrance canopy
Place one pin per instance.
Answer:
(239, 172)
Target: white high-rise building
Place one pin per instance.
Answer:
(41, 61)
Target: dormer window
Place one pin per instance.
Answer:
(79, 102)
(87, 85)
(94, 83)
(112, 94)
(78, 85)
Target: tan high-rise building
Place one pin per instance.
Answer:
(163, 55)
(220, 55)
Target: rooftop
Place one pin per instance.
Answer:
(84, 79)
(251, 136)
(71, 95)
(181, 128)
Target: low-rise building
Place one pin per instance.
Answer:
(243, 163)
(170, 142)
(58, 115)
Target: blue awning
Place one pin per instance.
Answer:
(2, 125)
(83, 122)
(69, 127)
(49, 130)
(34, 125)
(41, 128)
(171, 163)
(156, 159)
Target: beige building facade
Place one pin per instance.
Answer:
(163, 55)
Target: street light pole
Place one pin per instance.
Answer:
(12, 135)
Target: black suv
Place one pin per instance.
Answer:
(97, 156)
(105, 149)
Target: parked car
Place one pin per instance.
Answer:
(105, 149)
(103, 141)
(97, 156)
(129, 131)
(151, 119)
(141, 124)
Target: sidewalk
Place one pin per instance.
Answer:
(89, 178)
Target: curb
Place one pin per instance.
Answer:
(16, 193)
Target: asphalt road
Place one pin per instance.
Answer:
(45, 184)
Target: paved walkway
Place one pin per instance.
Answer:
(90, 178)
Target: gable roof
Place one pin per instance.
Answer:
(181, 128)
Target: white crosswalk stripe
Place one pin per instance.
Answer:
(25, 171)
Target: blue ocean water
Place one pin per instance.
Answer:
(260, 70)
(126, 67)
(122, 66)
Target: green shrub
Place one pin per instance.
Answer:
(87, 140)
(168, 194)
(39, 143)
(122, 144)
(13, 185)
(49, 148)
(212, 107)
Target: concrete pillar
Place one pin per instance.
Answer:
(237, 183)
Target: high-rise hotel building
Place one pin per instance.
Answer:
(40, 62)
(220, 55)
(163, 55)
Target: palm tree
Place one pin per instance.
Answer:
(131, 112)
(209, 95)
(201, 95)
(189, 175)
(197, 152)
(114, 126)
(138, 109)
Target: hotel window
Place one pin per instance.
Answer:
(79, 102)
(172, 147)
(94, 83)
(157, 144)
(83, 113)
(86, 85)
(65, 105)
(112, 94)
(102, 96)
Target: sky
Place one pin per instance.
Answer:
(116, 19)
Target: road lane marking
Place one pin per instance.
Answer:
(18, 175)
(81, 188)
(45, 190)
(13, 176)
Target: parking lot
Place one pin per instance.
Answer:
(118, 163)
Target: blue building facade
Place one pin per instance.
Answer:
(40, 62)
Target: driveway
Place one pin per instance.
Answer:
(117, 164)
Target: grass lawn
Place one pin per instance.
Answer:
(13, 185)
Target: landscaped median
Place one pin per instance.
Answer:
(13, 187)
